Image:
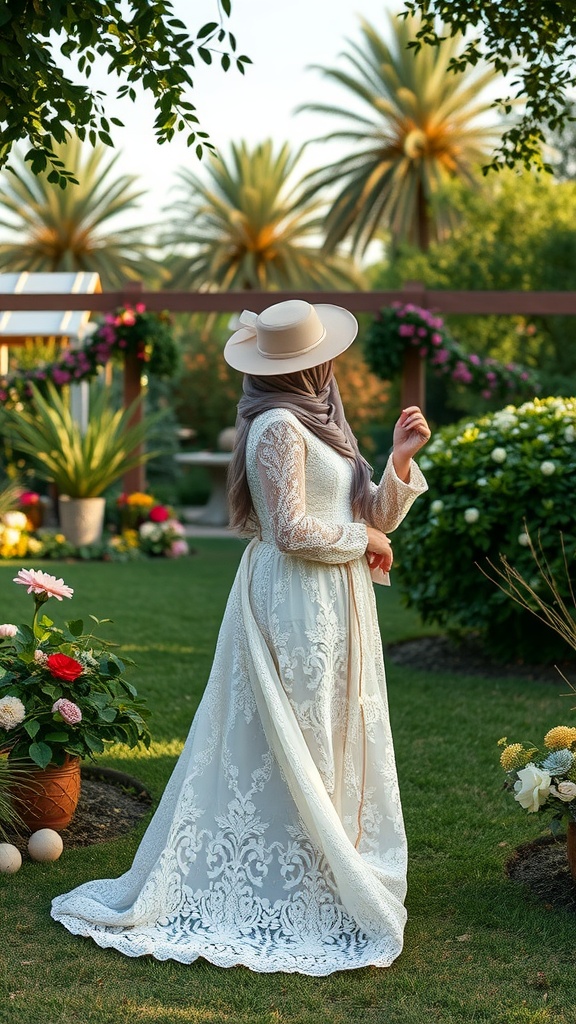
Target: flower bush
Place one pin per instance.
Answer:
(397, 326)
(151, 526)
(62, 691)
(491, 481)
(128, 329)
(545, 778)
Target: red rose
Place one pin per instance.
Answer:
(63, 667)
(159, 514)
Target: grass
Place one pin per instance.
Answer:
(478, 950)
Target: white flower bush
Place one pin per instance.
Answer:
(490, 480)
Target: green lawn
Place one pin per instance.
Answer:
(475, 942)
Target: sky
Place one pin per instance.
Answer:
(283, 39)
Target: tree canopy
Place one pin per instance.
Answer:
(45, 46)
(533, 43)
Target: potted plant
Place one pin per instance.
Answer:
(81, 464)
(63, 697)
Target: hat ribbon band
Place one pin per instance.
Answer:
(294, 353)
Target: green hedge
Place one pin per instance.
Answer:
(490, 479)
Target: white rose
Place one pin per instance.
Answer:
(532, 787)
(498, 454)
(436, 506)
(7, 629)
(471, 515)
(547, 468)
(567, 791)
(17, 520)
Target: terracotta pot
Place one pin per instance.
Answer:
(81, 519)
(48, 797)
(571, 848)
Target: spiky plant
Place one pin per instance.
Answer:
(422, 126)
(47, 228)
(249, 226)
(82, 465)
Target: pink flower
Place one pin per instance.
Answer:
(475, 359)
(524, 376)
(127, 318)
(436, 339)
(28, 498)
(421, 332)
(39, 582)
(440, 356)
(68, 710)
(177, 548)
(40, 657)
(176, 527)
(406, 330)
(490, 376)
(7, 630)
(486, 393)
(423, 352)
(60, 376)
(140, 307)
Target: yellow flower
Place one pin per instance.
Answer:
(514, 756)
(130, 538)
(60, 538)
(138, 498)
(34, 546)
(561, 737)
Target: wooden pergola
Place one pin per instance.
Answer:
(476, 303)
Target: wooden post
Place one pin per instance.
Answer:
(135, 479)
(413, 389)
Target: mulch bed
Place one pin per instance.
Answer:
(542, 866)
(467, 657)
(111, 804)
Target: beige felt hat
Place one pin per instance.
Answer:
(289, 336)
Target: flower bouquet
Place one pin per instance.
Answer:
(62, 690)
(543, 779)
(162, 534)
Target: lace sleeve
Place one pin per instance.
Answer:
(281, 458)
(392, 498)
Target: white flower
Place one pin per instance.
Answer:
(425, 462)
(40, 657)
(532, 788)
(12, 712)
(498, 454)
(504, 419)
(11, 536)
(523, 539)
(569, 434)
(436, 506)
(471, 515)
(16, 520)
(151, 531)
(482, 481)
(547, 468)
(7, 629)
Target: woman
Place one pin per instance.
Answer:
(279, 842)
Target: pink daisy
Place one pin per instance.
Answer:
(39, 582)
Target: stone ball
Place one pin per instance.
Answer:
(10, 859)
(45, 845)
(227, 439)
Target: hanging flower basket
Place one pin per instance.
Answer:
(399, 327)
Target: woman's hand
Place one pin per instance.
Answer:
(379, 550)
(411, 433)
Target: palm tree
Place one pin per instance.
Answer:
(248, 227)
(424, 127)
(49, 228)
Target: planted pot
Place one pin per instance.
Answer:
(81, 519)
(48, 797)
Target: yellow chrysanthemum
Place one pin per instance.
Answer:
(139, 498)
(561, 737)
(131, 538)
(514, 756)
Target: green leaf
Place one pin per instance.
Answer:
(40, 753)
(94, 743)
(56, 737)
(207, 29)
(32, 726)
(108, 714)
(76, 627)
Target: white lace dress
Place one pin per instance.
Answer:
(279, 842)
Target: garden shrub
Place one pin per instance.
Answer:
(489, 480)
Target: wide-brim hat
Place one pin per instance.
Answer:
(289, 336)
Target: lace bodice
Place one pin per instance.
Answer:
(301, 492)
